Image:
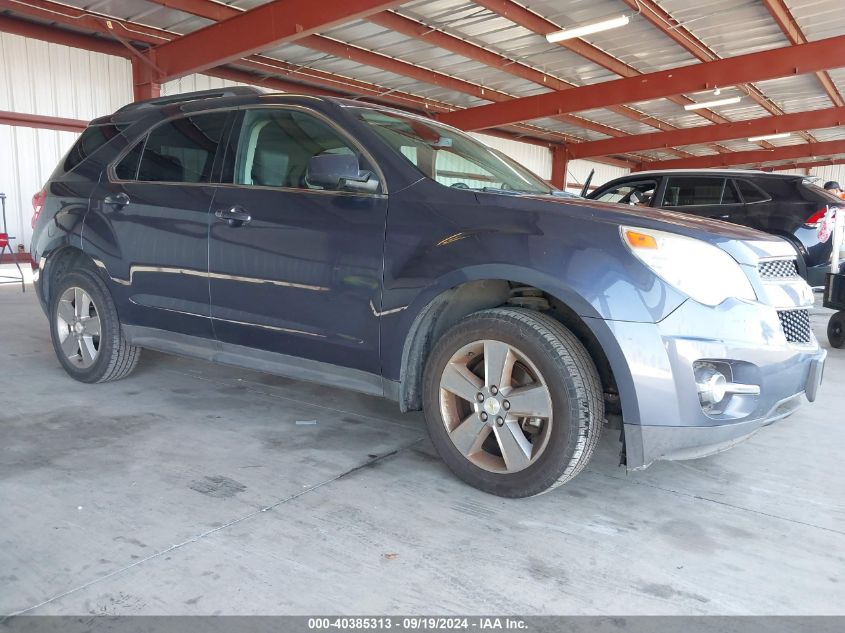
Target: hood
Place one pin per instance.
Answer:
(745, 245)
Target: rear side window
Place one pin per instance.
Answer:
(92, 139)
(751, 192)
(181, 150)
(692, 190)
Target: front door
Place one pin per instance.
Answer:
(155, 204)
(295, 268)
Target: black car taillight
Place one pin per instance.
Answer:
(37, 205)
(813, 221)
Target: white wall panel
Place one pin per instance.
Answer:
(49, 80)
(537, 159)
(830, 172)
(580, 169)
(193, 83)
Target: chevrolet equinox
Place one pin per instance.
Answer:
(376, 250)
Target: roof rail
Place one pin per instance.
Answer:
(234, 91)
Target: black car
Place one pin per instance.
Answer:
(785, 205)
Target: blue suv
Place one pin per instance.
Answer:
(338, 242)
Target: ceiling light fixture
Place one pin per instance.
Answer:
(587, 29)
(711, 104)
(770, 137)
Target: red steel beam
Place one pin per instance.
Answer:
(255, 30)
(813, 120)
(689, 42)
(770, 64)
(417, 30)
(673, 29)
(214, 11)
(752, 157)
(782, 15)
(42, 122)
(61, 36)
(540, 25)
(560, 166)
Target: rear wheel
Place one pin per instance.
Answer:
(86, 331)
(513, 402)
(836, 330)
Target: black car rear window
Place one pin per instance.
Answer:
(92, 139)
(751, 192)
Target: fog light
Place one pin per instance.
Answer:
(712, 386)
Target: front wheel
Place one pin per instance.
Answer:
(513, 402)
(836, 329)
(86, 332)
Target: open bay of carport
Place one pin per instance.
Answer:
(190, 488)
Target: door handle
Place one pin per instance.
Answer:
(236, 216)
(117, 200)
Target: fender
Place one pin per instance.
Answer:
(404, 348)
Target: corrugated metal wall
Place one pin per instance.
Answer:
(50, 80)
(824, 174)
(54, 80)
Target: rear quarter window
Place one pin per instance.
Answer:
(92, 139)
(751, 193)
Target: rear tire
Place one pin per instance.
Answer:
(86, 332)
(513, 402)
(836, 330)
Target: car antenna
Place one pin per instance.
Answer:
(587, 182)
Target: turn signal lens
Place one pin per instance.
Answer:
(640, 240)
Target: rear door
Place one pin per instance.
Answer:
(300, 274)
(154, 205)
(708, 196)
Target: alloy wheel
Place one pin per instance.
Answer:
(78, 326)
(496, 406)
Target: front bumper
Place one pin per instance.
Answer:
(666, 419)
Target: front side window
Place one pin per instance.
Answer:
(284, 148)
(181, 150)
(689, 191)
(451, 158)
(637, 193)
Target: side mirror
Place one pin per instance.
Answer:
(340, 172)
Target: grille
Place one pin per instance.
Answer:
(796, 325)
(778, 269)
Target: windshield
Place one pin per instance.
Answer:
(450, 157)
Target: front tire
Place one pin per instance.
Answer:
(513, 402)
(86, 332)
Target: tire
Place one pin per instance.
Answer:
(836, 330)
(542, 353)
(81, 300)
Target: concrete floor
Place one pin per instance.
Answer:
(190, 488)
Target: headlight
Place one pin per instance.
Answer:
(698, 269)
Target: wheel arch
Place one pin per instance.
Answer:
(446, 304)
(58, 261)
